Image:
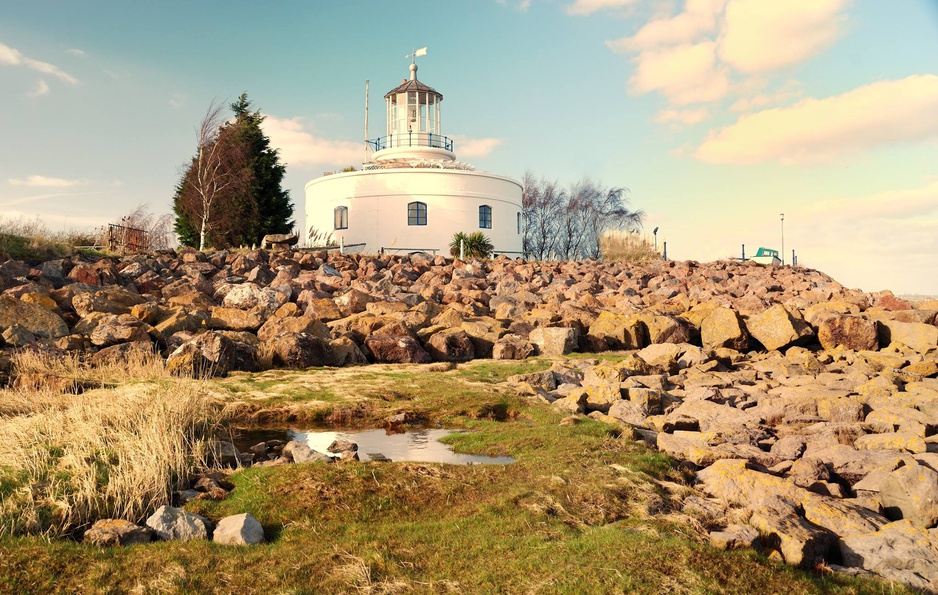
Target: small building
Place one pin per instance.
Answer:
(412, 194)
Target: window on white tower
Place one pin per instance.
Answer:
(485, 217)
(341, 218)
(416, 213)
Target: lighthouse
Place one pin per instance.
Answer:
(412, 194)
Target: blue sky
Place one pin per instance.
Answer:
(718, 115)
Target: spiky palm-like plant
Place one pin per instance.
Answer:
(475, 245)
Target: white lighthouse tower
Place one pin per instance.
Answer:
(412, 194)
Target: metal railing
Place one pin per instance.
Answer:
(127, 239)
(412, 139)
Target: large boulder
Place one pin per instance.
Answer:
(124, 328)
(899, 551)
(723, 327)
(293, 324)
(34, 318)
(850, 332)
(299, 350)
(777, 328)
(617, 331)
(512, 346)
(208, 354)
(920, 337)
(238, 529)
(249, 295)
(451, 345)
(112, 300)
(911, 492)
(174, 524)
(554, 340)
(402, 349)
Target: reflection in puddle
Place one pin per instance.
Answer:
(422, 446)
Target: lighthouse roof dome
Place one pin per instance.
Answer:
(412, 85)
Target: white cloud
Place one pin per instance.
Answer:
(14, 57)
(861, 240)
(300, 147)
(584, 8)
(817, 130)
(684, 74)
(686, 117)
(790, 90)
(465, 146)
(698, 19)
(46, 182)
(178, 100)
(76, 52)
(760, 36)
(42, 88)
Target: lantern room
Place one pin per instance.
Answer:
(414, 123)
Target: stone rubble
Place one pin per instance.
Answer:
(809, 408)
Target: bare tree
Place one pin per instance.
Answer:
(567, 223)
(217, 174)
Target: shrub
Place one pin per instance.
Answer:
(475, 245)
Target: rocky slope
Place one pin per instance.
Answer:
(808, 409)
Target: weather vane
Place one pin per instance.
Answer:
(413, 57)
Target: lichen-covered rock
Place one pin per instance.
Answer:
(723, 327)
(116, 532)
(920, 337)
(618, 331)
(911, 492)
(512, 346)
(299, 350)
(554, 340)
(776, 328)
(33, 318)
(848, 332)
(208, 354)
(899, 551)
(303, 324)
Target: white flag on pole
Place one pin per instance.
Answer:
(421, 52)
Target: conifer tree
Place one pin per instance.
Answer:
(239, 213)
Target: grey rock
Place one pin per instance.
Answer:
(239, 529)
(174, 524)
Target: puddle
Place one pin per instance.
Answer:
(421, 446)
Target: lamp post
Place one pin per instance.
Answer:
(782, 215)
(654, 232)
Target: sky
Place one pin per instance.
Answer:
(717, 115)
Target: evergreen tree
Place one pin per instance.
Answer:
(245, 212)
(274, 208)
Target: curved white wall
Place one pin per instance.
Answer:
(377, 207)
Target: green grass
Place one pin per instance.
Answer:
(580, 511)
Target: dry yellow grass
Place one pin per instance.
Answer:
(67, 460)
(626, 246)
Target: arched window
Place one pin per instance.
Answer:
(341, 218)
(485, 217)
(519, 223)
(417, 213)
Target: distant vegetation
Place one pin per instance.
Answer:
(567, 223)
(626, 246)
(30, 240)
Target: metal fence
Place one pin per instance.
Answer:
(127, 239)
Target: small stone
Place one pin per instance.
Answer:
(116, 532)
